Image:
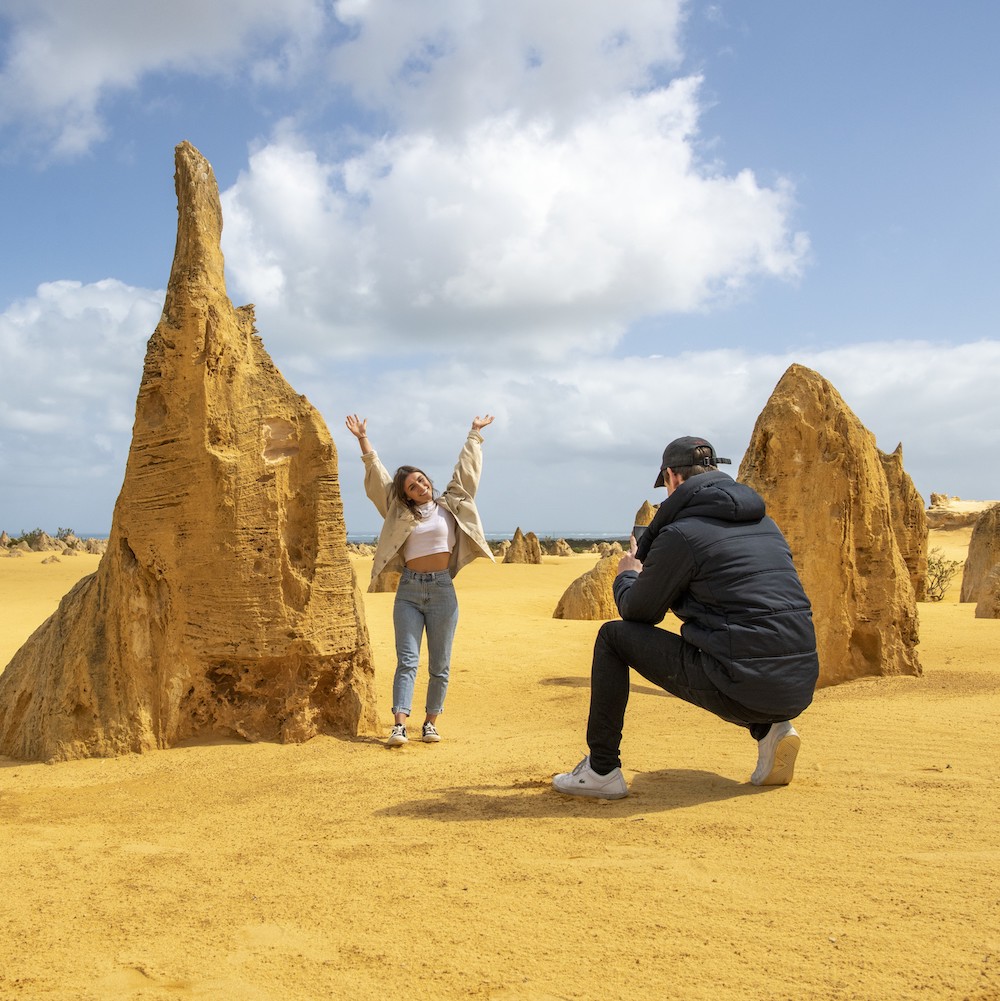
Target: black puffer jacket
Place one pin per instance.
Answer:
(713, 558)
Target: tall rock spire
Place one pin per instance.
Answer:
(226, 603)
(822, 476)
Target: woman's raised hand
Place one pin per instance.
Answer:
(357, 426)
(478, 423)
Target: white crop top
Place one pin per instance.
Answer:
(433, 533)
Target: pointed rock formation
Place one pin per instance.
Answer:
(909, 519)
(523, 548)
(819, 471)
(646, 513)
(984, 553)
(225, 603)
(590, 597)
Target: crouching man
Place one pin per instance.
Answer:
(747, 648)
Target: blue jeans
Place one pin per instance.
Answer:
(423, 601)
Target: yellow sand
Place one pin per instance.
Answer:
(341, 869)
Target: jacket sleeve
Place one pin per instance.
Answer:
(378, 482)
(648, 596)
(465, 479)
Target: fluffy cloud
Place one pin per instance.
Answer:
(577, 446)
(445, 65)
(574, 447)
(63, 59)
(510, 235)
(72, 362)
(502, 208)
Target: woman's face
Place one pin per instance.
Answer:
(417, 487)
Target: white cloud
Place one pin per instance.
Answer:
(578, 446)
(574, 447)
(510, 236)
(445, 65)
(64, 59)
(72, 363)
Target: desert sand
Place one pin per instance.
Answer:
(341, 869)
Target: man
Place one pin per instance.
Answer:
(747, 648)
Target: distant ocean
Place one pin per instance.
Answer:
(370, 537)
(617, 536)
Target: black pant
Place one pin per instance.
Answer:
(668, 662)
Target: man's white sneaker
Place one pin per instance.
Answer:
(584, 781)
(429, 734)
(776, 756)
(398, 736)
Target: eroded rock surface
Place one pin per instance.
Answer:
(909, 519)
(824, 483)
(523, 548)
(988, 604)
(590, 596)
(225, 603)
(984, 553)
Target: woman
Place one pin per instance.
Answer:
(428, 539)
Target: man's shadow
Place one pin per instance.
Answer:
(533, 799)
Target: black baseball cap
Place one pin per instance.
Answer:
(680, 453)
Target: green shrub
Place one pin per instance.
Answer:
(31, 537)
(940, 573)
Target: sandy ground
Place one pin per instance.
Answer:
(341, 869)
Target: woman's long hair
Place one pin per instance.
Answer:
(399, 484)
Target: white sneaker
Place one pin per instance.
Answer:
(776, 756)
(429, 734)
(584, 781)
(398, 736)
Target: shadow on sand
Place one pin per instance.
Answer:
(650, 792)
(581, 682)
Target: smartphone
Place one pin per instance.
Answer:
(637, 531)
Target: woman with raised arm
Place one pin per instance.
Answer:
(428, 540)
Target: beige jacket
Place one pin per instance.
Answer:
(458, 498)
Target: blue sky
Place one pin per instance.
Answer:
(608, 224)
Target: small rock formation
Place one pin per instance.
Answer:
(988, 606)
(819, 471)
(590, 596)
(561, 548)
(646, 513)
(501, 548)
(225, 603)
(947, 512)
(984, 553)
(909, 519)
(65, 544)
(523, 548)
(606, 549)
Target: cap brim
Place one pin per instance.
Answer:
(660, 482)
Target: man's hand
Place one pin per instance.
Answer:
(629, 562)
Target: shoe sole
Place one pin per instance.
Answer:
(397, 741)
(590, 793)
(784, 761)
(431, 740)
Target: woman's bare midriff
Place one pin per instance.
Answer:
(429, 564)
